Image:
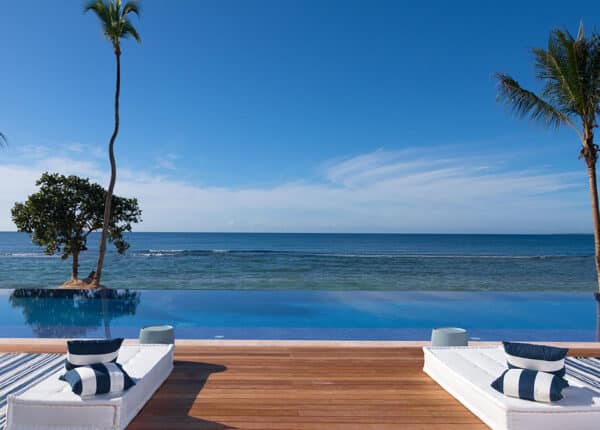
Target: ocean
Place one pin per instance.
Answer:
(248, 261)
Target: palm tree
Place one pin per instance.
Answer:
(113, 16)
(569, 70)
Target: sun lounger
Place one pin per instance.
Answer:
(51, 405)
(467, 372)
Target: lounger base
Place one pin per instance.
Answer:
(466, 373)
(51, 405)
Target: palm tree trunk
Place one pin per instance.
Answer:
(596, 219)
(113, 177)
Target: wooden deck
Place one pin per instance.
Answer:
(277, 386)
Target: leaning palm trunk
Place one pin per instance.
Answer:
(595, 217)
(590, 153)
(113, 177)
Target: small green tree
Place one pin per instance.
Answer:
(66, 210)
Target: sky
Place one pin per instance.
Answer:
(296, 116)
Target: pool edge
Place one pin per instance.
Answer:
(297, 343)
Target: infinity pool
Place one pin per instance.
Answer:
(340, 315)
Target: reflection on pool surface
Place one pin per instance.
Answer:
(386, 315)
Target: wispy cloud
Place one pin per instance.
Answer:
(376, 166)
(84, 149)
(166, 162)
(402, 191)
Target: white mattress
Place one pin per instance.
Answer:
(51, 405)
(467, 372)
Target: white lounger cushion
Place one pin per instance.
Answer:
(467, 372)
(51, 405)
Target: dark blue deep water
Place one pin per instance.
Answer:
(396, 262)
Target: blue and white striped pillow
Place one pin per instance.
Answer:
(530, 385)
(542, 358)
(86, 352)
(98, 379)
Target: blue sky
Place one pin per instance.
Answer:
(296, 115)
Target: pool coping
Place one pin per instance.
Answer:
(297, 343)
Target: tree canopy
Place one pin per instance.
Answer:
(66, 210)
(569, 70)
(113, 16)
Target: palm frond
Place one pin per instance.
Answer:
(113, 19)
(525, 103)
(594, 72)
(591, 82)
(560, 68)
(113, 7)
(129, 30)
(570, 72)
(572, 55)
(103, 12)
(131, 7)
(552, 69)
(99, 8)
(580, 31)
(3, 140)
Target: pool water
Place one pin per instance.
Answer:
(339, 315)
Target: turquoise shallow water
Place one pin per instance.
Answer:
(394, 262)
